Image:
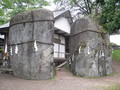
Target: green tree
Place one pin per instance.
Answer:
(110, 16)
(9, 8)
(80, 7)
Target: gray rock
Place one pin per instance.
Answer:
(90, 50)
(31, 44)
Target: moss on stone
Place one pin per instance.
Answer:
(83, 45)
(76, 52)
(103, 35)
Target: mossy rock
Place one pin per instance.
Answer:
(83, 45)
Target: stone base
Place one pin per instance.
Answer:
(30, 64)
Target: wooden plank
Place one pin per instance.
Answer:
(61, 65)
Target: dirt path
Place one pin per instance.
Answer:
(63, 81)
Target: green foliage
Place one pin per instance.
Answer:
(110, 16)
(8, 8)
(56, 1)
(102, 2)
(116, 55)
(1, 50)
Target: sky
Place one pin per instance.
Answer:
(52, 7)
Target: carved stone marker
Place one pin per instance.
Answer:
(31, 44)
(90, 49)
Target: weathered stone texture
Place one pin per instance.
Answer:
(90, 50)
(31, 44)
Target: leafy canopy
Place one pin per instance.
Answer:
(9, 8)
(110, 16)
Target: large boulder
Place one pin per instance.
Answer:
(31, 44)
(90, 50)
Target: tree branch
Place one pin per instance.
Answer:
(88, 2)
(81, 8)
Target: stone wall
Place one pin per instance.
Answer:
(90, 50)
(31, 44)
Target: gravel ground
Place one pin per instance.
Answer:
(63, 81)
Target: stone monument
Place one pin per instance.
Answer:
(90, 49)
(31, 44)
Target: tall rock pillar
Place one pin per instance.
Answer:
(31, 44)
(90, 50)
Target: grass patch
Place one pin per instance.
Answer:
(116, 55)
(114, 87)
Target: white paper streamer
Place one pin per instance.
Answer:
(16, 49)
(11, 50)
(35, 46)
(88, 50)
(80, 49)
(103, 54)
(5, 48)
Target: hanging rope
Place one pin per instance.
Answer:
(30, 22)
(83, 32)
